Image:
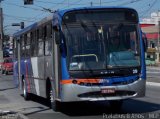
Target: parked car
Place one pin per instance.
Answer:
(7, 66)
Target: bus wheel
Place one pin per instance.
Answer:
(25, 93)
(53, 103)
(116, 105)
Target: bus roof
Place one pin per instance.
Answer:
(61, 13)
(34, 25)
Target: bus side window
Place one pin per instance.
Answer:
(33, 44)
(44, 32)
(40, 42)
(28, 41)
(22, 40)
(48, 39)
(36, 42)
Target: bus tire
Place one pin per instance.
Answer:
(54, 104)
(25, 93)
(116, 104)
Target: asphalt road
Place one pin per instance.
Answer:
(153, 74)
(11, 99)
(147, 107)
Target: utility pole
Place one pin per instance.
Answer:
(100, 2)
(1, 32)
(158, 40)
(68, 3)
(91, 4)
(21, 24)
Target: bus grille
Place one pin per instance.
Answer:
(99, 94)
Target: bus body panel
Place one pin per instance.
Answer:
(38, 70)
(33, 72)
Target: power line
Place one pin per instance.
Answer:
(60, 3)
(75, 3)
(50, 2)
(13, 18)
(55, 4)
(19, 18)
(151, 5)
(16, 16)
(129, 2)
(111, 1)
(46, 9)
(12, 4)
(64, 3)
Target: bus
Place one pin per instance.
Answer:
(70, 56)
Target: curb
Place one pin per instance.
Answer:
(11, 115)
(22, 116)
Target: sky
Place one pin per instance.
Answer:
(14, 11)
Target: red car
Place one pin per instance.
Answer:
(7, 66)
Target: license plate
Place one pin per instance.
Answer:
(108, 90)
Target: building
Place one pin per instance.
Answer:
(151, 27)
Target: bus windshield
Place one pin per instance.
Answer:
(93, 45)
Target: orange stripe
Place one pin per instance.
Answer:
(69, 81)
(66, 81)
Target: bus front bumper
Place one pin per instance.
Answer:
(75, 92)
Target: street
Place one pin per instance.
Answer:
(11, 99)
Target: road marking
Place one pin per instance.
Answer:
(153, 84)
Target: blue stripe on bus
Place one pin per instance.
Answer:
(113, 80)
(143, 65)
(65, 74)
